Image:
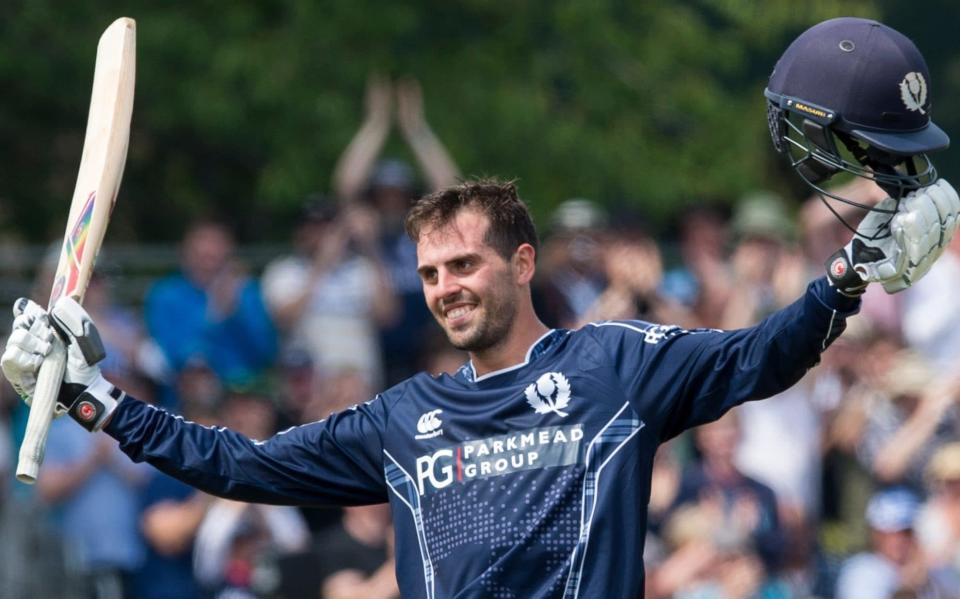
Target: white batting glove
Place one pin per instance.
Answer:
(88, 397)
(84, 393)
(924, 228)
(924, 224)
(29, 343)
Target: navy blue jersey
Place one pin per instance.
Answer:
(528, 482)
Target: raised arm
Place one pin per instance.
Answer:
(438, 167)
(354, 166)
(331, 462)
(334, 461)
(684, 378)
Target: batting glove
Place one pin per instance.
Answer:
(29, 342)
(84, 393)
(924, 223)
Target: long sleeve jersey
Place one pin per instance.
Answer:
(528, 482)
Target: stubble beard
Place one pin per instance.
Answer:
(491, 330)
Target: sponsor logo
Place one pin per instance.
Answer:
(86, 411)
(657, 333)
(913, 92)
(811, 110)
(551, 393)
(838, 268)
(428, 426)
(495, 456)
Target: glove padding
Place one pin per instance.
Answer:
(29, 343)
(84, 393)
(924, 223)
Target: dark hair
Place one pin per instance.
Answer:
(510, 222)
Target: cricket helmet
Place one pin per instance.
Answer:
(852, 95)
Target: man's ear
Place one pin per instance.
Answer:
(524, 263)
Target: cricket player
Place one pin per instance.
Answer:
(527, 473)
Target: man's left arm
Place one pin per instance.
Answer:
(713, 371)
(678, 378)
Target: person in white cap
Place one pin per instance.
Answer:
(894, 562)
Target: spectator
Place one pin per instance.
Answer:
(352, 560)
(768, 269)
(93, 490)
(298, 386)
(894, 562)
(131, 355)
(235, 542)
(743, 504)
(171, 513)
(571, 282)
(198, 387)
(333, 294)
(710, 560)
(931, 311)
(913, 415)
(634, 273)
(781, 442)
(389, 187)
(211, 310)
(938, 525)
(702, 282)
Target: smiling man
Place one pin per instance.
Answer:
(476, 250)
(527, 472)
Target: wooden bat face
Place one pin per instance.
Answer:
(101, 168)
(104, 155)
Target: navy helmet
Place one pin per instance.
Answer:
(853, 95)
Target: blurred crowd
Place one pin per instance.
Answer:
(847, 485)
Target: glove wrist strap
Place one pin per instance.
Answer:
(95, 403)
(842, 276)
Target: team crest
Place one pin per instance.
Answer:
(551, 393)
(913, 92)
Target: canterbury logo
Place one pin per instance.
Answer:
(429, 425)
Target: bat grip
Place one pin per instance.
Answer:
(41, 413)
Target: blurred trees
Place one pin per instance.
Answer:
(243, 107)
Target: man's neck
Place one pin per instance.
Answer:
(513, 350)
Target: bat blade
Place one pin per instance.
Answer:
(98, 181)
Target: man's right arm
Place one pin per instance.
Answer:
(333, 461)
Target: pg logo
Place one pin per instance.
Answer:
(437, 469)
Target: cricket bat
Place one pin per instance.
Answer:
(101, 168)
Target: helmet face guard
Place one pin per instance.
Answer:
(850, 96)
(810, 138)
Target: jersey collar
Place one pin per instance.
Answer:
(536, 350)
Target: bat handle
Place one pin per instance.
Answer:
(41, 413)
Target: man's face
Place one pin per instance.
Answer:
(898, 546)
(206, 251)
(468, 286)
(719, 440)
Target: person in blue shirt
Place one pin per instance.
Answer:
(84, 473)
(210, 312)
(527, 472)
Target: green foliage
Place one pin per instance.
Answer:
(242, 108)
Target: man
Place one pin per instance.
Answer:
(210, 311)
(895, 561)
(526, 473)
